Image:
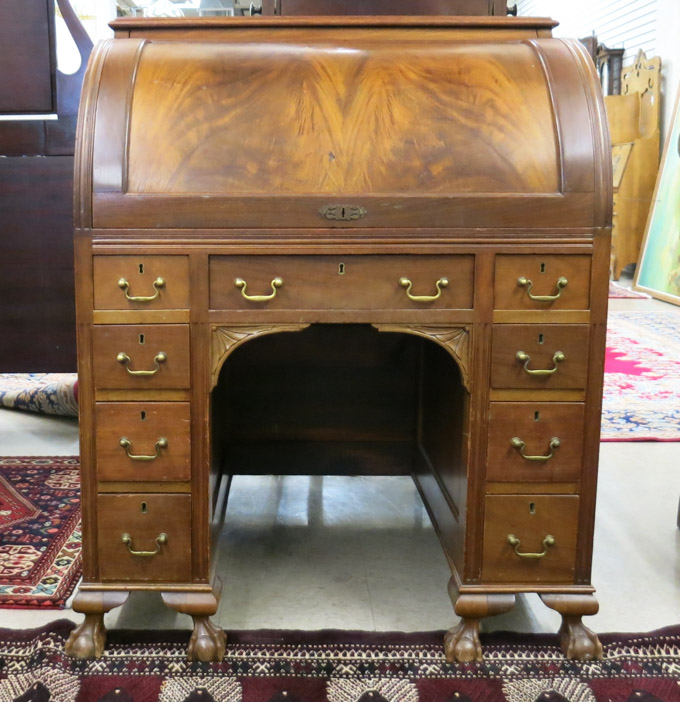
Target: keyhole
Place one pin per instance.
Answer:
(537, 416)
(141, 338)
(341, 269)
(142, 415)
(540, 338)
(141, 268)
(144, 510)
(542, 267)
(532, 508)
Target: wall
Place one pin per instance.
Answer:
(651, 25)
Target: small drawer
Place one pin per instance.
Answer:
(143, 441)
(530, 538)
(144, 537)
(141, 282)
(141, 356)
(539, 356)
(536, 282)
(341, 282)
(535, 442)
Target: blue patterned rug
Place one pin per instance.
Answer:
(47, 393)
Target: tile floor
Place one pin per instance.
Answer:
(359, 553)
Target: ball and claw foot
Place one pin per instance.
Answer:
(88, 639)
(208, 642)
(578, 641)
(461, 644)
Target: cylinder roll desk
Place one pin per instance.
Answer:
(356, 245)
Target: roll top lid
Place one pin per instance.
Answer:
(410, 133)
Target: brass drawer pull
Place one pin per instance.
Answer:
(161, 539)
(526, 283)
(157, 285)
(125, 359)
(517, 443)
(406, 283)
(276, 283)
(160, 444)
(525, 358)
(515, 543)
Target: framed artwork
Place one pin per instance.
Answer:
(658, 270)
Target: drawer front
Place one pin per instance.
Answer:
(141, 356)
(142, 519)
(528, 356)
(529, 521)
(141, 282)
(341, 282)
(535, 282)
(535, 441)
(143, 441)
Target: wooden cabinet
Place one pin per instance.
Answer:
(387, 251)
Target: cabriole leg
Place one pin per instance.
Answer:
(208, 641)
(577, 640)
(461, 644)
(88, 639)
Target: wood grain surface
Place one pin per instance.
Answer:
(355, 120)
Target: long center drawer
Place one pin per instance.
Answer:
(341, 282)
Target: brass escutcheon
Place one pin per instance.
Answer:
(343, 213)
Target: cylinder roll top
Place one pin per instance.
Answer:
(315, 128)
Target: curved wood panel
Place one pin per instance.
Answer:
(406, 130)
(294, 119)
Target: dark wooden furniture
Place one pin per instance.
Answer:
(342, 244)
(384, 7)
(37, 315)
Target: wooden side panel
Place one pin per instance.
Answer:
(37, 315)
(27, 56)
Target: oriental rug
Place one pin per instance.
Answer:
(40, 538)
(642, 377)
(617, 291)
(333, 666)
(47, 393)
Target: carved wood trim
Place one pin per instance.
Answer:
(455, 339)
(224, 339)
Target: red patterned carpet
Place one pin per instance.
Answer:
(39, 531)
(332, 666)
(642, 377)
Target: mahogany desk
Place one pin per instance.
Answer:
(381, 243)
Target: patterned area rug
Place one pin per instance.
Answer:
(333, 666)
(39, 531)
(48, 393)
(642, 377)
(617, 291)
